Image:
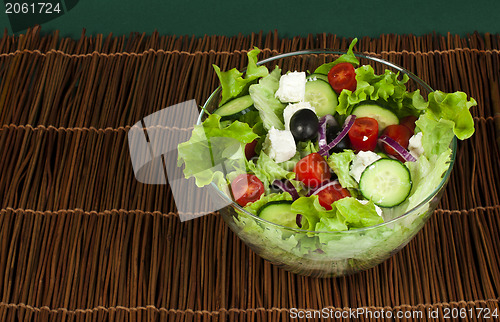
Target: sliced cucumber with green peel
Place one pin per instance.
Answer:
(316, 76)
(386, 182)
(279, 212)
(235, 108)
(372, 109)
(321, 96)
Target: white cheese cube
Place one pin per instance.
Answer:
(279, 145)
(415, 145)
(361, 161)
(292, 108)
(377, 208)
(292, 87)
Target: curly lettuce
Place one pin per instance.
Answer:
(386, 89)
(232, 81)
(269, 107)
(345, 214)
(453, 107)
(267, 170)
(426, 175)
(340, 164)
(214, 150)
(348, 57)
(436, 135)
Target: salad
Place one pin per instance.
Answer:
(336, 149)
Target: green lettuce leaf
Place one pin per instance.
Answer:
(345, 214)
(254, 71)
(214, 149)
(348, 57)
(275, 239)
(340, 164)
(453, 107)
(311, 210)
(304, 148)
(267, 170)
(290, 164)
(386, 89)
(415, 103)
(436, 136)
(336, 223)
(252, 118)
(356, 214)
(270, 108)
(426, 175)
(232, 81)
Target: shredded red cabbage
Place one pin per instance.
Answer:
(323, 122)
(397, 147)
(322, 187)
(349, 122)
(286, 186)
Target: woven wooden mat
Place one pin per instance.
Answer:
(81, 239)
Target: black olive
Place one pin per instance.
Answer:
(331, 133)
(304, 125)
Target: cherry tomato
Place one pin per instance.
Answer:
(246, 188)
(409, 122)
(400, 134)
(342, 76)
(250, 149)
(331, 194)
(363, 134)
(312, 170)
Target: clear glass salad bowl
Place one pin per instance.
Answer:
(329, 254)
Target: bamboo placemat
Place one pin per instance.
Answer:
(82, 240)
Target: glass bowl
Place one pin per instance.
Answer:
(329, 254)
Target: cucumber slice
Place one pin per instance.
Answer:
(279, 212)
(316, 76)
(235, 108)
(321, 95)
(386, 182)
(377, 111)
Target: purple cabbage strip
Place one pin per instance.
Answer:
(323, 122)
(349, 122)
(398, 148)
(286, 186)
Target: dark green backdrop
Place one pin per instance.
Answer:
(290, 18)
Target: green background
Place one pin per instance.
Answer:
(290, 18)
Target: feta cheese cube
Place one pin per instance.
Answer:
(292, 108)
(415, 145)
(292, 87)
(361, 161)
(279, 145)
(377, 208)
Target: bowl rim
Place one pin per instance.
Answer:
(320, 51)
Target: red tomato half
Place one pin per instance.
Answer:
(409, 122)
(342, 76)
(400, 134)
(364, 134)
(312, 170)
(246, 188)
(331, 194)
